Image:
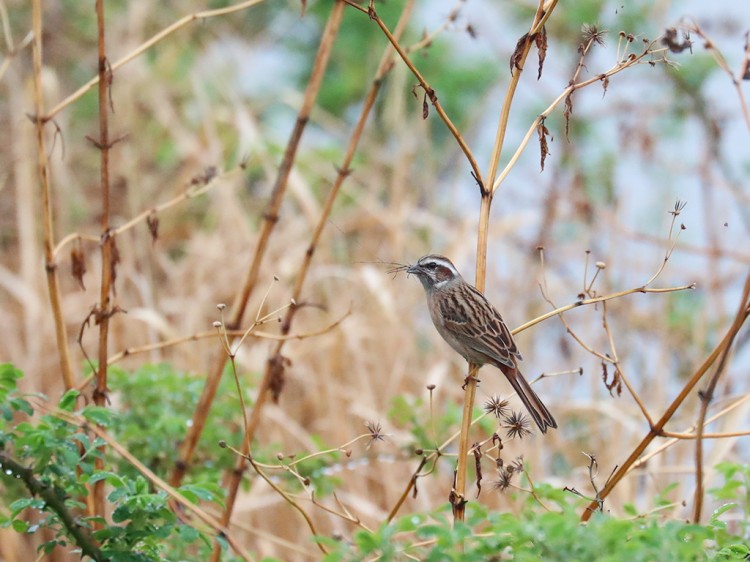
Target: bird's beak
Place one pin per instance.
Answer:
(414, 270)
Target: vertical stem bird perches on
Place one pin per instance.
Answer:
(487, 190)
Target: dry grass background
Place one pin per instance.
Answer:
(196, 100)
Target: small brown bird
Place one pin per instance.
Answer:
(474, 328)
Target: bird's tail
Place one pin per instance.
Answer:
(533, 403)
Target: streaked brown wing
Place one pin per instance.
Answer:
(487, 334)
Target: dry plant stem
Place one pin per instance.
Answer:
(13, 51)
(270, 219)
(611, 358)
(459, 501)
(677, 437)
(191, 193)
(212, 333)
(706, 396)
(603, 298)
(104, 307)
(617, 68)
(182, 22)
(657, 428)
(405, 494)
(344, 514)
(459, 505)
(721, 62)
(429, 91)
(53, 282)
(283, 494)
(344, 171)
(543, 13)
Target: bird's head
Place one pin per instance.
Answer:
(435, 272)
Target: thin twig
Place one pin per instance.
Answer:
(618, 67)
(231, 333)
(284, 495)
(276, 359)
(428, 90)
(657, 428)
(145, 46)
(706, 396)
(677, 437)
(270, 219)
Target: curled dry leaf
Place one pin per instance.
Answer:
(517, 56)
(476, 447)
(153, 227)
(78, 265)
(543, 146)
(541, 45)
(113, 263)
(278, 364)
(568, 111)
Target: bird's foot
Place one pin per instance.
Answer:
(468, 379)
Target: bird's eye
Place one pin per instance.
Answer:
(430, 265)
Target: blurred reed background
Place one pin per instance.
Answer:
(219, 97)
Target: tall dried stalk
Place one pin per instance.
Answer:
(104, 309)
(270, 219)
(487, 192)
(50, 266)
(658, 428)
(275, 358)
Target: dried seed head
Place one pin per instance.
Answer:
(221, 306)
(216, 324)
(496, 406)
(376, 432)
(504, 480)
(517, 425)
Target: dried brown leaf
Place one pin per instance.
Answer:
(78, 265)
(476, 447)
(568, 111)
(277, 380)
(114, 262)
(541, 45)
(543, 132)
(153, 227)
(676, 42)
(517, 56)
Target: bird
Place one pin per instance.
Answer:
(474, 328)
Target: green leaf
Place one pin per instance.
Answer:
(98, 415)
(9, 374)
(68, 400)
(193, 492)
(20, 526)
(19, 505)
(21, 405)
